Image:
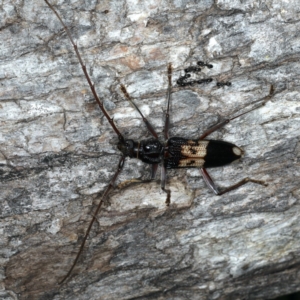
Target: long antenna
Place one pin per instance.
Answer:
(147, 123)
(121, 138)
(111, 184)
(110, 120)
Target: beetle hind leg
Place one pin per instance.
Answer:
(210, 183)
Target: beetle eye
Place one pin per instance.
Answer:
(129, 144)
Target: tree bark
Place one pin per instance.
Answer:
(58, 153)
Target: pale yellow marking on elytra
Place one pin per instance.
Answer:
(237, 151)
(191, 162)
(197, 149)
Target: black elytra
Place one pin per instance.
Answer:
(185, 153)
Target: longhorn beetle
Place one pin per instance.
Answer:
(174, 152)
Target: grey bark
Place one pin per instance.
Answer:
(58, 153)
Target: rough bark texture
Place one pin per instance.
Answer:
(58, 153)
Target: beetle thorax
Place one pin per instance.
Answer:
(148, 151)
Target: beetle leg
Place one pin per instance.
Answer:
(145, 120)
(163, 184)
(262, 101)
(167, 122)
(210, 183)
(125, 183)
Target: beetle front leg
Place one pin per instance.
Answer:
(145, 120)
(128, 182)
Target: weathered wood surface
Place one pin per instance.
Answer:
(58, 153)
